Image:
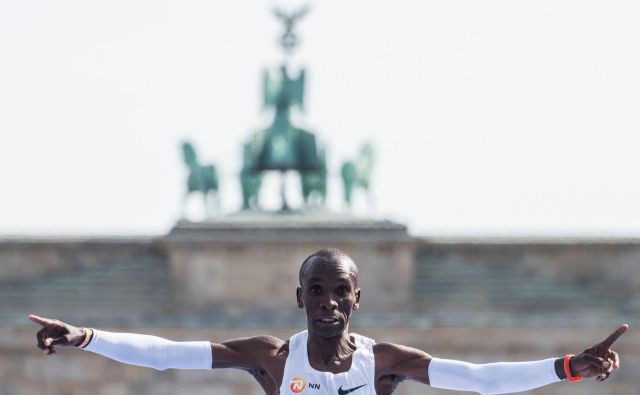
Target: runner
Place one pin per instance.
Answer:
(327, 359)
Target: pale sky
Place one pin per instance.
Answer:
(489, 117)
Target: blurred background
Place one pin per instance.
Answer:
(493, 216)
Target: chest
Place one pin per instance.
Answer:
(272, 386)
(323, 383)
(300, 378)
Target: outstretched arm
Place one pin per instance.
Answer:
(134, 349)
(496, 378)
(149, 351)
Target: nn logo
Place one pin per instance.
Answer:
(298, 384)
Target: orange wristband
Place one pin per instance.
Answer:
(567, 369)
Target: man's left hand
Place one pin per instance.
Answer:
(600, 360)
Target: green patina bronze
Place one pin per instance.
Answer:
(251, 181)
(201, 178)
(283, 146)
(314, 184)
(357, 173)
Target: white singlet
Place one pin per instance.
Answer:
(300, 378)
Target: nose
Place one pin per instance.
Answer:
(329, 303)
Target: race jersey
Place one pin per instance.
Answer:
(300, 378)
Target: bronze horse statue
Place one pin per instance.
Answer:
(202, 179)
(314, 184)
(357, 174)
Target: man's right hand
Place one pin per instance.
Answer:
(54, 332)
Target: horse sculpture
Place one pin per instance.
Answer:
(357, 173)
(314, 184)
(202, 179)
(250, 181)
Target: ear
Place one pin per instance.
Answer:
(299, 298)
(356, 306)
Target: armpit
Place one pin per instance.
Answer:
(386, 385)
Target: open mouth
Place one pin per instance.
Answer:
(328, 320)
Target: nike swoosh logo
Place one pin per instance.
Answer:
(345, 392)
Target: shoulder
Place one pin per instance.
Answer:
(360, 339)
(389, 356)
(392, 350)
(263, 343)
(247, 352)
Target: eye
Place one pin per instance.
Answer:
(315, 290)
(343, 290)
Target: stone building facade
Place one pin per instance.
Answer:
(479, 300)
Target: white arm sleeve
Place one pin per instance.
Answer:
(151, 351)
(491, 378)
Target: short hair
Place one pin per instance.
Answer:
(328, 256)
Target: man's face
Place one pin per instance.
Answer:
(329, 295)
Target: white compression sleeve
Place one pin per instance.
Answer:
(151, 351)
(491, 378)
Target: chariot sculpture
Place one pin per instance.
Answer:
(282, 146)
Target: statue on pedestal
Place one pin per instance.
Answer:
(282, 146)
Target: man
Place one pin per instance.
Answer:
(327, 358)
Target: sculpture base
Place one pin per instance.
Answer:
(250, 260)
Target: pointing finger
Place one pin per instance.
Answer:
(614, 336)
(40, 320)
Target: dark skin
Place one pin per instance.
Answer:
(329, 295)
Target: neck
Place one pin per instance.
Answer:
(332, 350)
(282, 116)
